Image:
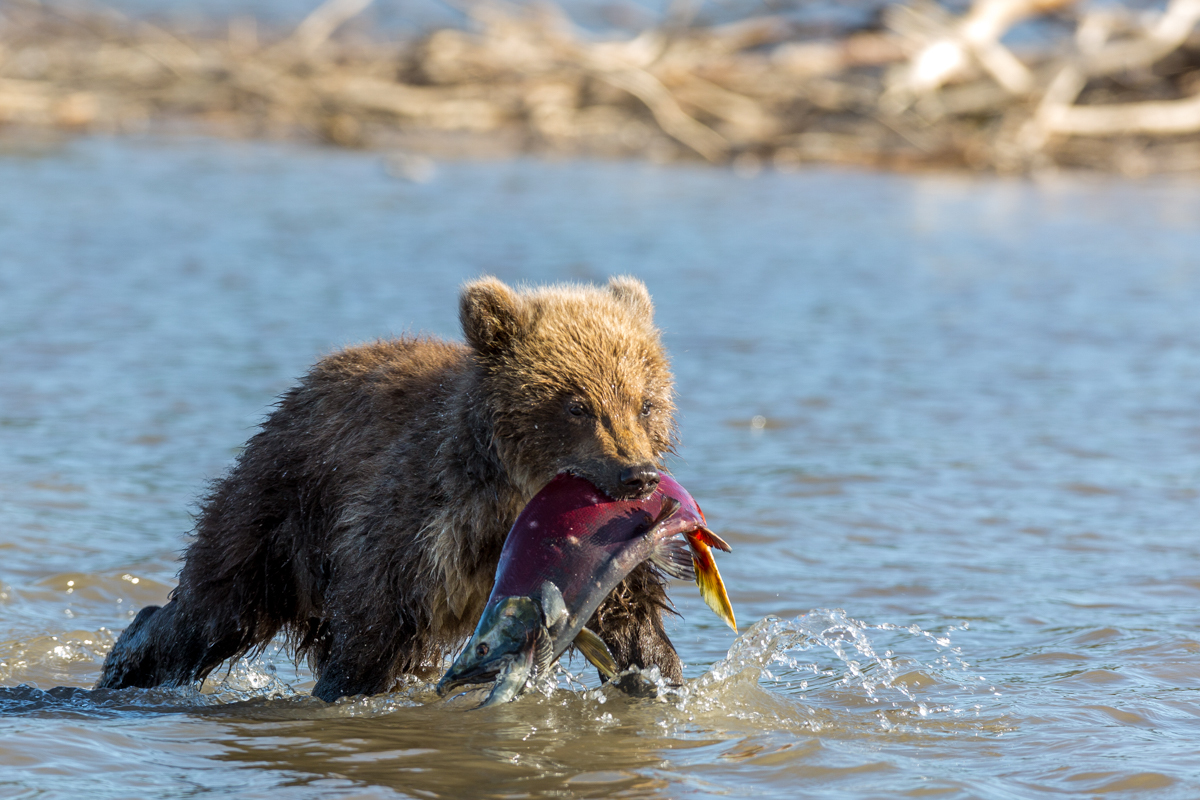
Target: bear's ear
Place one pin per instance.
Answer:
(632, 293)
(490, 314)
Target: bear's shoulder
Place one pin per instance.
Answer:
(390, 360)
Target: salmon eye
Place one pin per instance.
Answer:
(482, 650)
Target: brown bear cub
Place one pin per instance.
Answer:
(365, 519)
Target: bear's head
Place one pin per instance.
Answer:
(575, 379)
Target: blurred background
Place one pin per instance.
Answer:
(992, 85)
(928, 274)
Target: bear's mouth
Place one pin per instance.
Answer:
(612, 490)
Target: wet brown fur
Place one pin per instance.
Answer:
(365, 519)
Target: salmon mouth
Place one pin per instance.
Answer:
(480, 675)
(508, 673)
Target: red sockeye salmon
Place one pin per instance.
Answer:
(570, 547)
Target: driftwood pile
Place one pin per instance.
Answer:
(1114, 89)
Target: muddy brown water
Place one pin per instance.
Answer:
(948, 424)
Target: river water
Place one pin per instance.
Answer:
(949, 425)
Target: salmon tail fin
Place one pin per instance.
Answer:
(708, 578)
(674, 557)
(596, 651)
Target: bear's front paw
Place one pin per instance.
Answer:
(641, 683)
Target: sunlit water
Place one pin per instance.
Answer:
(948, 424)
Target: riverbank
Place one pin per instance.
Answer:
(1113, 90)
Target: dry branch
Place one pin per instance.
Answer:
(947, 49)
(1165, 118)
(318, 26)
(1057, 113)
(932, 89)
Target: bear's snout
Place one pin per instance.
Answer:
(638, 481)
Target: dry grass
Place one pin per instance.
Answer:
(1117, 91)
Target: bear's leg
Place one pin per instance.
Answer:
(130, 663)
(641, 642)
(630, 622)
(647, 645)
(166, 646)
(360, 659)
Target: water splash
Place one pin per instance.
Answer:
(820, 670)
(247, 679)
(826, 661)
(410, 691)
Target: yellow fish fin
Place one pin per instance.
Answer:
(708, 578)
(596, 651)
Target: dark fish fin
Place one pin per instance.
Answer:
(543, 656)
(596, 651)
(674, 557)
(670, 507)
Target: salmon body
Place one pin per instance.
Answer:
(570, 547)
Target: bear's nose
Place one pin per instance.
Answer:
(639, 480)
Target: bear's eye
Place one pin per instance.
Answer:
(576, 408)
(647, 407)
(482, 650)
